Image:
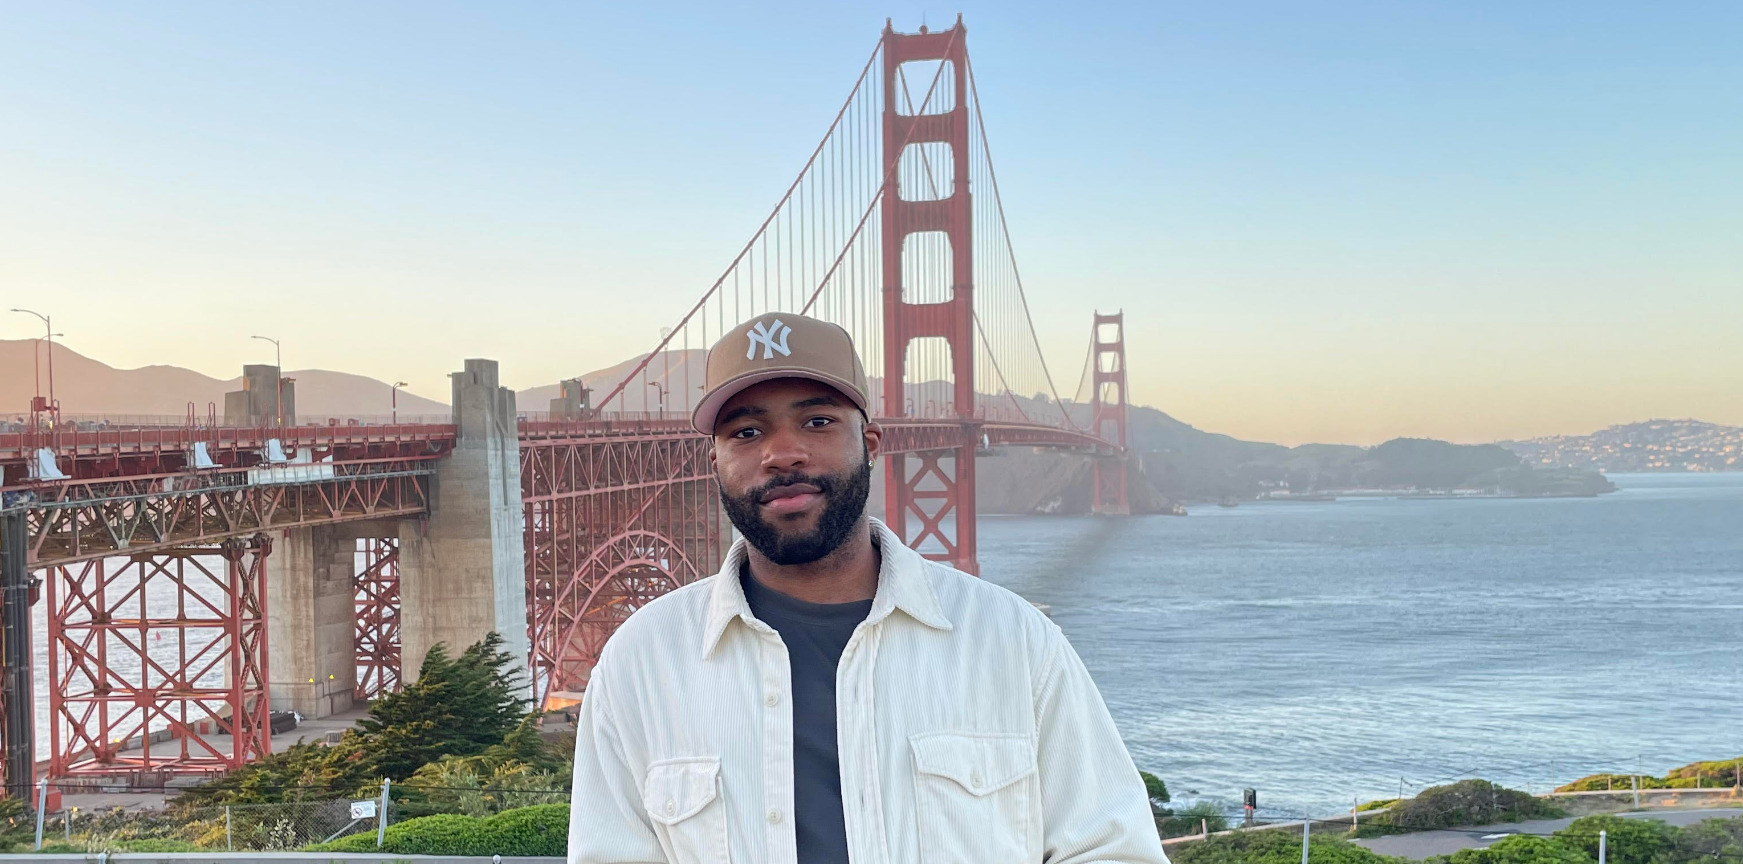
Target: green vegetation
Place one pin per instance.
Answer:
(1467, 802)
(1202, 816)
(1519, 849)
(1273, 847)
(460, 728)
(458, 742)
(1628, 841)
(1695, 775)
(538, 830)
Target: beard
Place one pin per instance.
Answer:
(844, 498)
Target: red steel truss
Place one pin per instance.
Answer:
(1108, 411)
(377, 635)
(927, 492)
(611, 521)
(76, 521)
(170, 642)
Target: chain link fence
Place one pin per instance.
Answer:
(276, 827)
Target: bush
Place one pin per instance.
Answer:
(1523, 849)
(531, 831)
(1711, 840)
(1628, 841)
(1203, 816)
(155, 845)
(1276, 846)
(1467, 802)
(1707, 775)
(1157, 791)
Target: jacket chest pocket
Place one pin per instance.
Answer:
(682, 797)
(972, 796)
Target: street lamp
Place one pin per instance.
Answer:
(396, 386)
(662, 388)
(277, 378)
(49, 334)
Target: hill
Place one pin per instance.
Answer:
(87, 386)
(1653, 445)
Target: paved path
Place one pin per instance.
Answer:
(1425, 843)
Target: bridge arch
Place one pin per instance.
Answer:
(618, 577)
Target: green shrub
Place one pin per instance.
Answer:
(1467, 802)
(1712, 840)
(155, 844)
(1381, 804)
(532, 831)
(1203, 816)
(1610, 782)
(1628, 841)
(1523, 849)
(1157, 791)
(1275, 846)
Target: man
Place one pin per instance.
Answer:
(830, 695)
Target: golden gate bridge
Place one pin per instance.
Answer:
(180, 564)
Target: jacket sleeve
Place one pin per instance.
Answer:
(606, 822)
(1094, 808)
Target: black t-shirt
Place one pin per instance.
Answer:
(815, 635)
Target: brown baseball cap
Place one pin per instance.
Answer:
(779, 345)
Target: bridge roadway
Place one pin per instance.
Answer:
(135, 490)
(305, 567)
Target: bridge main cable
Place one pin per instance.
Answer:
(751, 243)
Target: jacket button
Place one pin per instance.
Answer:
(974, 779)
(772, 699)
(774, 817)
(671, 807)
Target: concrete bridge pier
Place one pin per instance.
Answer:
(462, 573)
(311, 620)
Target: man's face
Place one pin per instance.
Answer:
(793, 459)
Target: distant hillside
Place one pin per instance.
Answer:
(1653, 445)
(1218, 471)
(87, 386)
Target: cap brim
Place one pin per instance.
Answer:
(704, 416)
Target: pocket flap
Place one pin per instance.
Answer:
(677, 788)
(981, 763)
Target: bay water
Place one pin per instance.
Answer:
(1326, 652)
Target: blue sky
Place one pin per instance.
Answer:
(1325, 221)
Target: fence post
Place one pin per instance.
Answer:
(1204, 828)
(1636, 779)
(227, 845)
(1305, 824)
(1355, 814)
(1603, 841)
(41, 805)
(381, 817)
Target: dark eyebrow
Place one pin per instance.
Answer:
(815, 401)
(740, 411)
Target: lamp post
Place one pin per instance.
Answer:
(48, 334)
(662, 388)
(396, 386)
(277, 378)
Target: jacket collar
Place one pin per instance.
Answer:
(903, 583)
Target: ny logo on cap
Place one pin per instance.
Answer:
(768, 332)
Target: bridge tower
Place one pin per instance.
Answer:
(1108, 410)
(930, 487)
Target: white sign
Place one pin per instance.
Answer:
(363, 809)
